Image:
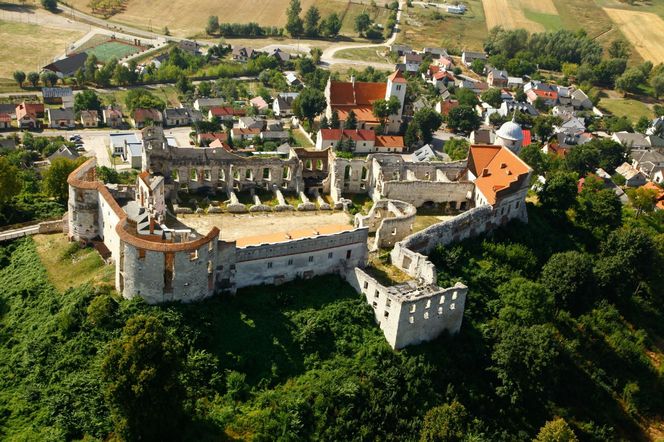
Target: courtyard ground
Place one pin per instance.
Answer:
(234, 226)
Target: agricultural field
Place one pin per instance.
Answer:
(625, 107)
(420, 27)
(532, 15)
(645, 30)
(36, 47)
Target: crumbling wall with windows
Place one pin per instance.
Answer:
(411, 313)
(390, 220)
(452, 195)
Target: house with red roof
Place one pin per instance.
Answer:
(550, 98)
(358, 97)
(27, 115)
(5, 121)
(225, 113)
(358, 141)
(501, 180)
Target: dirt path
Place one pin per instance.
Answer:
(239, 226)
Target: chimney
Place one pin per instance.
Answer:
(485, 172)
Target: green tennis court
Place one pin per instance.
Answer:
(112, 49)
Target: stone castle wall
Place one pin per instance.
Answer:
(420, 192)
(390, 220)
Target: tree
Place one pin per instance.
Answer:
(324, 124)
(143, 99)
(478, 66)
(19, 77)
(463, 119)
(466, 97)
(643, 199)
(630, 80)
(50, 5)
(492, 96)
(351, 120)
(308, 104)
(311, 19)
(49, 78)
(599, 209)
(334, 120)
(10, 181)
(55, 177)
(87, 100)
(543, 126)
(457, 148)
(524, 360)
(446, 423)
(141, 367)
(535, 158)
(657, 84)
(212, 26)
(316, 54)
(362, 23)
(556, 430)
(558, 194)
(427, 121)
(642, 124)
(568, 278)
(33, 78)
(382, 109)
(331, 26)
(619, 49)
(294, 24)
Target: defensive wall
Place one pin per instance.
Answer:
(390, 220)
(412, 312)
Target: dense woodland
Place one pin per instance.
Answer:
(563, 324)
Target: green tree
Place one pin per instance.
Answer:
(331, 25)
(33, 78)
(492, 96)
(457, 148)
(294, 24)
(599, 209)
(10, 181)
(334, 120)
(382, 109)
(568, 278)
(478, 66)
(543, 126)
(535, 158)
(143, 99)
(49, 78)
(316, 54)
(141, 367)
(642, 124)
(556, 430)
(212, 26)
(524, 360)
(463, 119)
(642, 199)
(19, 77)
(466, 97)
(55, 177)
(427, 121)
(619, 48)
(446, 423)
(362, 23)
(311, 19)
(50, 5)
(630, 80)
(308, 104)
(523, 302)
(657, 84)
(351, 120)
(87, 100)
(558, 193)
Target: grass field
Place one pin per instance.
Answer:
(28, 47)
(104, 49)
(363, 54)
(625, 107)
(645, 30)
(468, 31)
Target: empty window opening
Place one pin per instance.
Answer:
(375, 304)
(413, 307)
(193, 256)
(266, 174)
(411, 319)
(440, 310)
(290, 262)
(376, 294)
(319, 164)
(426, 315)
(365, 174)
(193, 175)
(269, 265)
(311, 259)
(452, 306)
(348, 253)
(347, 172)
(249, 175)
(207, 175)
(388, 303)
(330, 255)
(428, 303)
(454, 296)
(442, 300)
(386, 314)
(366, 284)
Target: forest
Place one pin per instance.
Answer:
(561, 340)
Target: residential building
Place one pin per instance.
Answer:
(358, 141)
(203, 104)
(5, 121)
(412, 62)
(54, 95)
(633, 177)
(282, 106)
(251, 123)
(146, 117)
(225, 113)
(63, 152)
(580, 100)
(467, 57)
(176, 116)
(27, 115)
(89, 118)
(119, 143)
(112, 118)
(241, 53)
(497, 78)
(239, 134)
(67, 66)
(259, 103)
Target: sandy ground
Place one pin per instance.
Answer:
(644, 30)
(509, 13)
(239, 226)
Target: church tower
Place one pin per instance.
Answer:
(396, 87)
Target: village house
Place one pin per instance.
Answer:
(239, 134)
(444, 107)
(467, 57)
(8, 108)
(27, 115)
(67, 66)
(225, 113)
(275, 135)
(282, 106)
(5, 121)
(176, 116)
(112, 118)
(89, 118)
(633, 177)
(549, 98)
(497, 78)
(580, 100)
(346, 96)
(120, 143)
(259, 104)
(219, 144)
(400, 49)
(436, 53)
(279, 55)
(634, 140)
(412, 62)
(205, 139)
(291, 79)
(514, 82)
(358, 141)
(648, 162)
(251, 123)
(203, 104)
(571, 124)
(241, 53)
(190, 47)
(146, 117)
(62, 152)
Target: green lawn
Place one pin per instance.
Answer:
(549, 21)
(625, 107)
(363, 54)
(300, 139)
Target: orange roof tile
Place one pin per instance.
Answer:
(397, 77)
(497, 170)
(273, 238)
(390, 141)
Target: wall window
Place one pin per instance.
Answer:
(442, 300)
(348, 253)
(428, 303)
(330, 255)
(386, 314)
(376, 294)
(193, 256)
(388, 303)
(411, 319)
(413, 307)
(440, 310)
(290, 262)
(452, 306)
(269, 265)
(311, 259)
(366, 284)
(426, 315)
(454, 295)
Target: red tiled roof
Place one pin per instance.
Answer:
(391, 141)
(221, 144)
(497, 169)
(241, 131)
(527, 137)
(226, 111)
(362, 113)
(211, 136)
(660, 193)
(447, 105)
(397, 77)
(147, 114)
(353, 134)
(5, 118)
(545, 94)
